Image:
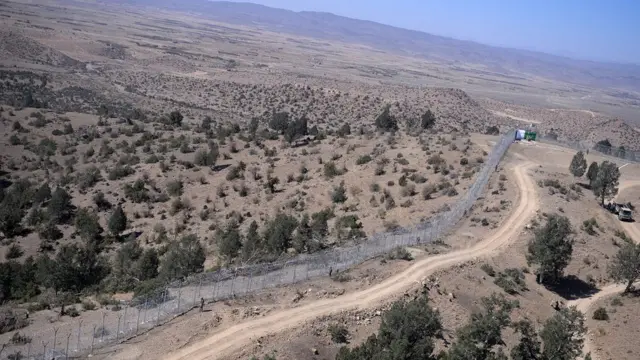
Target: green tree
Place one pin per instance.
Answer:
(60, 208)
(625, 267)
(252, 242)
(592, 173)
(529, 346)
(606, 182)
(296, 129)
(147, 266)
(88, 226)
(229, 241)
(73, 269)
(428, 120)
(279, 121)
(578, 164)
(123, 276)
(385, 121)
(175, 118)
(184, 257)
(10, 218)
(42, 195)
(563, 335)
(279, 233)
(603, 146)
(118, 221)
(205, 158)
(407, 332)
(479, 338)
(551, 248)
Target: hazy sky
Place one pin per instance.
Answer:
(586, 29)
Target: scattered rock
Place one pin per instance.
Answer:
(314, 351)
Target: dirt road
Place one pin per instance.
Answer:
(633, 230)
(231, 340)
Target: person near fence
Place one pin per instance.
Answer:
(330, 270)
(201, 304)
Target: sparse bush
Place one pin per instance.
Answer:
(175, 188)
(363, 159)
(89, 178)
(88, 305)
(331, 170)
(408, 190)
(399, 253)
(339, 194)
(488, 269)
(119, 172)
(428, 191)
(338, 333)
(600, 314)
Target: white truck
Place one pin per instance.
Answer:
(624, 214)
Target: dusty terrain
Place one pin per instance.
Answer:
(87, 93)
(464, 278)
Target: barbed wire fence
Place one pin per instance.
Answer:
(79, 338)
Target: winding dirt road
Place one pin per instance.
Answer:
(633, 230)
(227, 342)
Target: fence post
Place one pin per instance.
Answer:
(179, 296)
(294, 274)
(29, 350)
(124, 326)
(233, 280)
(44, 345)
(195, 293)
(66, 351)
(93, 338)
(55, 337)
(79, 327)
(102, 329)
(215, 286)
(250, 280)
(118, 329)
(146, 306)
(138, 321)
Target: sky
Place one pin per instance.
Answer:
(598, 30)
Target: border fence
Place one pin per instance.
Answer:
(615, 152)
(77, 339)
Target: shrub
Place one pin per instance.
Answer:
(88, 305)
(408, 190)
(488, 269)
(428, 191)
(119, 172)
(175, 188)
(338, 333)
(616, 301)
(330, 170)
(205, 158)
(339, 194)
(601, 314)
(399, 253)
(89, 178)
(511, 281)
(19, 339)
(15, 251)
(363, 159)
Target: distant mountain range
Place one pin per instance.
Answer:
(409, 42)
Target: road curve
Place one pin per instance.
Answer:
(230, 341)
(633, 230)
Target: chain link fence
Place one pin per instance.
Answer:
(79, 338)
(615, 152)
